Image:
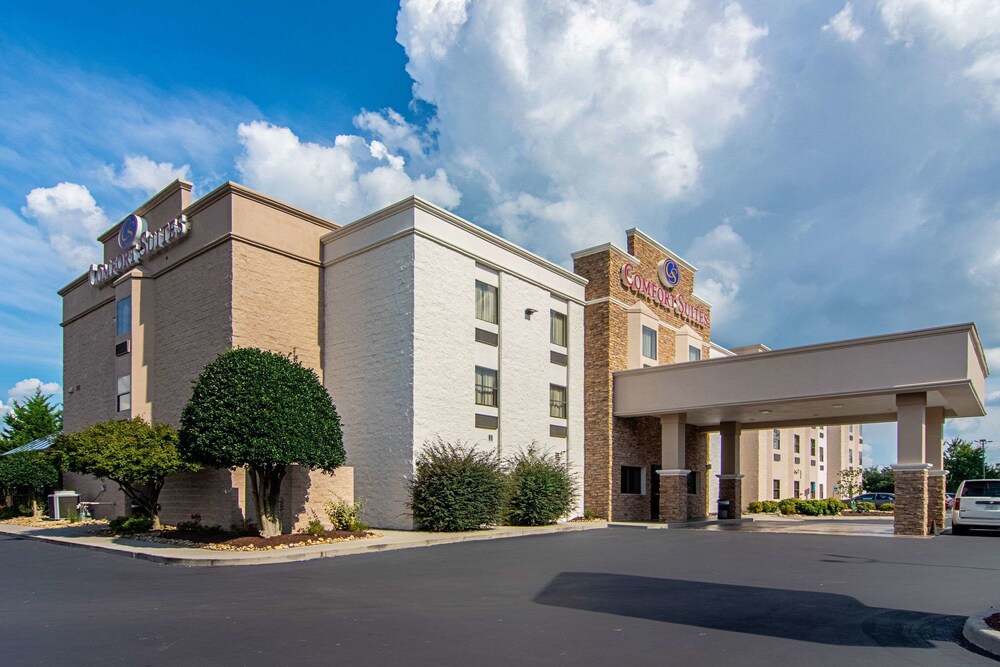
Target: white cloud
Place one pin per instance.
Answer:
(723, 258)
(970, 27)
(71, 221)
(344, 181)
(141, 173)
(580, 108)
(843, 26)
(26, 388)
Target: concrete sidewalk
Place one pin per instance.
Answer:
(85, 537)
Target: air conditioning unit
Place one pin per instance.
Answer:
(62, 503)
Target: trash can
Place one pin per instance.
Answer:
(724, 509)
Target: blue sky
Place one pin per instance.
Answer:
(831, 168)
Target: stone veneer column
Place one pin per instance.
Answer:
(730, 479)
(697, 461)
(673, 476)
(911, 470)
(937, 476)
(673, 496)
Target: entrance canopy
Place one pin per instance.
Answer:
(845, 382)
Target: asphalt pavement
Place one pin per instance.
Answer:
(601, 597)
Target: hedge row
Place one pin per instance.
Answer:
(818, 507)
(457, 487)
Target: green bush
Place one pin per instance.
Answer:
(316, 528)
(345, 516)
(12, 512)
(129, 525)
(540, 489)
(886, 507)
(810, 507)
(755, 507)
(864, 507)
(456, 487)
(834, 506)
(788, 506)
(769, 506)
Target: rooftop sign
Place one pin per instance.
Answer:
(138, 244)
(669, 274)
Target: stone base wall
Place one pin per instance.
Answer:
(911, 502)
(635, 442)
(936, 509)
(732, 490)
(697, 461)
(673, 499)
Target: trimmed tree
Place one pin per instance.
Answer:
(33, 419)
(264, 412)
(541, 489)
(28, 471)
(136, 455)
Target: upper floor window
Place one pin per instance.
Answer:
(486, 387)
(648, 343)
(694, 353)
(776, 439)
(850, 456)
(486, 302)
(557, 328)
(124, 393)
(123, 316)
(821, 454)
(812, 446)
(557, 401)
(798, 444)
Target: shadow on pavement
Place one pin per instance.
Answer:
(825, 618)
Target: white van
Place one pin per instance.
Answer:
(977, 505)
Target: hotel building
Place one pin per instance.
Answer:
(422, 325)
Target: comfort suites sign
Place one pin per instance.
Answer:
(137, 244)
(669, 274)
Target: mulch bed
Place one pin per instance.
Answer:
(226, 541)
(993, 621)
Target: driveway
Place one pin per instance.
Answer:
(603, 597)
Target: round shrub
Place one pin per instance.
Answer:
(810, 507)
(788, 506)
(886, 507)
(129, 525)
(834, 506)
(540, 489)
(768, 506)
(456, 487)
(755, 507)
(864, 507)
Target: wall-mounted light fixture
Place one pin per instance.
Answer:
(528, 312)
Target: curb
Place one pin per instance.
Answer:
(300, 554)
(982, 635)
(649, 525)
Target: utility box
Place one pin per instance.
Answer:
(724, 509)
(62, 503)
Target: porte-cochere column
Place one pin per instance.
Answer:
(937, 475)
(911, 469)
(730, 479)
(673, 475)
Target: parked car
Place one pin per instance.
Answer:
(949, 500)
(877, 498)
(977, 505)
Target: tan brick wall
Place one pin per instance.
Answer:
(276, 304)
(89, 362)
(911, 502)
(193, 326)
(732, 490)
(305, 493)
(636, 442)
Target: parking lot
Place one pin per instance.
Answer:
(602, 597)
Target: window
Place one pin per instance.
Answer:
(692, 479)
(850, 428)
(822, 491)
(557, 328)
(631, 479)
(486, 387)
(777, 456)
(798, 444)
(812, 489)
(850, 456)
(124, 393)
(776, 439)
(797, 460)
(795, 488)
(812, 446)
(776, 489)
(694, 353)
(557, 401)
(486, 302)
(123, 316)
(648, 343)
(821, 455)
